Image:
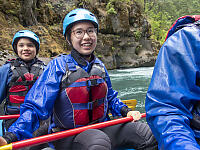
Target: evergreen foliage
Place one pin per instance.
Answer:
(162, 14)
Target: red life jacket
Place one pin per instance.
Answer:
(21, 81)
(83, 97)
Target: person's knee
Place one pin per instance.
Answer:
(145, 132)
(92, 139)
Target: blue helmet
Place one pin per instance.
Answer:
(25, 34)
(76, 15)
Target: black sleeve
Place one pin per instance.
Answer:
(124, 111)
(10, 137)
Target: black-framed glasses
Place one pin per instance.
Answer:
(79, 33)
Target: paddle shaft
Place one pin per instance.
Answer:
(9, 117)
(63, 134)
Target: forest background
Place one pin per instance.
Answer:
(131, 31)
(163, 13)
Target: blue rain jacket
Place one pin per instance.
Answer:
(173, 91)
(5, 77)
(40, 99)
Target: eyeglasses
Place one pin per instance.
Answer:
(79, 33)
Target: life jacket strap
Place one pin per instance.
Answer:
(94, 82)
(25, 83)
(89, 105)
(20, 93)
(88, 83)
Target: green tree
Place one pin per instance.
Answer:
(162, 14)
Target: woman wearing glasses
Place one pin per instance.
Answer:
(76, 90)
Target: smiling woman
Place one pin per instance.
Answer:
(84, 38)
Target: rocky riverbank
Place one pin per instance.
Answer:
(123, 40)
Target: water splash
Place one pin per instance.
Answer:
(132, 83)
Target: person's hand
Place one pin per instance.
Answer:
(135, 114)
(2, 141)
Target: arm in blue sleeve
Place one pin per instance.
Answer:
(39, 101)
(115, 104)
(5, 77)
(173, 91)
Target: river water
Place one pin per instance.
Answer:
(132, 83)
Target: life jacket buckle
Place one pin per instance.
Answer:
(92, 82)
(92, 104)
